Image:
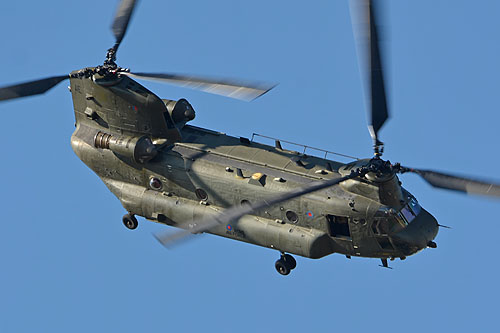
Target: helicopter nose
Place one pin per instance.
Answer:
(419, 233)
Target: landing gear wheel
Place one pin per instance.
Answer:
(130, 221)
(282, 267)
(289, 260)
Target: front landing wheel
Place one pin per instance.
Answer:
(130, 221)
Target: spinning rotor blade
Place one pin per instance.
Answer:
(30, 88)
(233, 89)
(122, 18)
(232, 214)
(455, 183)
(365, 18)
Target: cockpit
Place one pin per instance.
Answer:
(409, 211)
(389, 221)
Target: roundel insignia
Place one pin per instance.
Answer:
(228, 227)
(310, 214)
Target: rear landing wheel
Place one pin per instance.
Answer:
(130, 221)
(282, 267)
(285, 264)
(289, 260)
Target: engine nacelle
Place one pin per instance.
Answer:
(180, 111)
(140, 149)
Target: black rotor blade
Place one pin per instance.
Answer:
(365, 19)
(379, 111)
(30, 88)
(122, 18)
(457, 183)
(232, 214)
(233, 89)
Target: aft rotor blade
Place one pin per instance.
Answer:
(365, 17)
(233, 89)
(122, 18)
(30, 88)
(234, 213)
(456, 183)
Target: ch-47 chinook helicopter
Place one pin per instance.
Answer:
(199, 180)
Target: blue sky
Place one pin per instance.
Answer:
(67, 262)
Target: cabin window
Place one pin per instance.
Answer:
(245, 202)
(201, 194)
(292, 216)
(155, 183)
(338, 226)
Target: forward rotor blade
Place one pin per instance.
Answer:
(30, 88)
(365, 18)
(122, 18)
(233, 89)
(234, 213)
(456, 183)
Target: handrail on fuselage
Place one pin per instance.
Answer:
(326, 152)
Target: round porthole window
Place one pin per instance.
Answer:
(292, 216)
(201, 194)
(155, 184)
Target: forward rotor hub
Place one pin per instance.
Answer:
(111, 58)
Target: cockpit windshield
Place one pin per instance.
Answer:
(410, 210)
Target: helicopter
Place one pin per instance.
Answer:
(200, 180)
